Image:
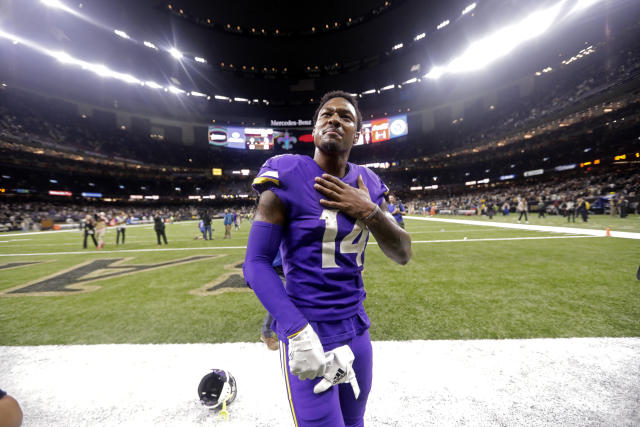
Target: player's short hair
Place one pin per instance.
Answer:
(340, 94)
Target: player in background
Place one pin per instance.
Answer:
(227, 221)
(101, 228)
(522, 208)
(206, 222)
(397, 210)
(89, 230)
(121, 227)
(159, 228)
(319, 212)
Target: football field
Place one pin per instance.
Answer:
(563, 306)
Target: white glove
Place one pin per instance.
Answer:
(339, 370)
(306, 355)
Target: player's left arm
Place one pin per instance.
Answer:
(356, 202)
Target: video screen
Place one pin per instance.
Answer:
(241, 138)
(379, 130)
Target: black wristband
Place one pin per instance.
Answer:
(372, 214)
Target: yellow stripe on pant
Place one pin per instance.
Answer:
(284, 362)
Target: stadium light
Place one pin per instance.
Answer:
(388, 87)
(200, 60)
(175, 53)
(15, 40)
(408, 82)
(397, 46)
(468, 8)
(499, 44)
(122, 34)
(420, 36)
(484, 51)
(150, 45)
(102, 70)
(64, 57)
(435, 73)
(221, 97)
(582, 5)
(442, 25)
(367, 92)
(241, 99)
(57, 4)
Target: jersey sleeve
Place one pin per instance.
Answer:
(273, 176)
(378, 190)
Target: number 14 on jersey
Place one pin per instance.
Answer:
(348, 245)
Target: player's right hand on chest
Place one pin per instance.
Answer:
(306, 355)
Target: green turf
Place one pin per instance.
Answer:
(450, 290)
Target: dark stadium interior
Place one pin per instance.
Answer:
(566, 103)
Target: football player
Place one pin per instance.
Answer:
(319, 212)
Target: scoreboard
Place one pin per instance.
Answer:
(251, 138)
(241, 138)
(380, 130)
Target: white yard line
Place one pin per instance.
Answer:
(94, 252)
(496, 239)
(548, 228)
(76, 229)
(457, 230)
(213, 248)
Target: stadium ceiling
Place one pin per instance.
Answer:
(209, 50)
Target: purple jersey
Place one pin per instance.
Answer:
(322, 249)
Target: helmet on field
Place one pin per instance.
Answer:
(217, 387)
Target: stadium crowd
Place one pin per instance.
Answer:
(602, 192)
(585, 110)
(607, 191)
(36, 216)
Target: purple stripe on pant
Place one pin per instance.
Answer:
(337, 406)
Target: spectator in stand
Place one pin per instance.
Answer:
(228, 220)
(522, 207)
(89, 231)
(397, 210)
(158, 226)
(505, 208)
